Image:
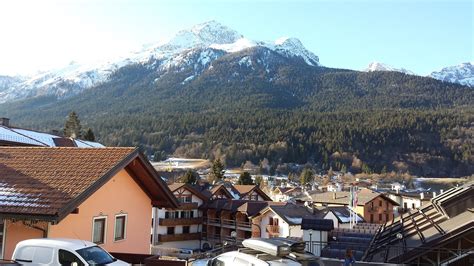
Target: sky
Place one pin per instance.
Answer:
(419, 35)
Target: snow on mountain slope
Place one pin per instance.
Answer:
(462, 74)
(376, 66)
(180, 51)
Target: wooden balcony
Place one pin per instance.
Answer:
(179, 237)
(226, 223)
(273, 229)
(188, 206)
(179, 221)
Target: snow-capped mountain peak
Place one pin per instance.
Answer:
(197, 46)
(294, 47)
(377, 66)
(462, 74)
(204, 34)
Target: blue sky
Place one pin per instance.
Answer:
(418, 35)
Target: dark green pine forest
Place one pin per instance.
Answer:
(280, 109)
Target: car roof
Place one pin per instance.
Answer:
(252, 259)
(66, 243)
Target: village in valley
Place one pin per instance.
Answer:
(184, 211)
(236, 133)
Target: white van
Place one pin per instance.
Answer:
(62, 251)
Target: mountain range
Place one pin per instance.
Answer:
(216, 38)
(209, 92)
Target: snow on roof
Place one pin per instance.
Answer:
(6, 134)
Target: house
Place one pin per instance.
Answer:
(180, 227)
(283, 194)
(14, 136)
(250, 192)
(408, 200)
(395, 186)
(374, 207)
(340, 215)
(438, 233)
(335, 187)
(104, 195)
(282, 220)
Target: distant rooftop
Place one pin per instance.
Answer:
(14, 136)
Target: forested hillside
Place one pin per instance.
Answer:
(256, 104)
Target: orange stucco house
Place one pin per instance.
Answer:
(103, 195)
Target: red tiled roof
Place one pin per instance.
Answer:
(43, 181)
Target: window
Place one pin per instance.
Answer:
(387, 217)
(413, 206)
(371, 205)
(120, 223)
(405, 205)
(371, 218)
(67, 258)
(43, 255)
(171, 214)
(95, 255)
(185, 199)
(185, 229)
(184, 214)
(380, 203)
(380, 217)
(170, 230)
(98, 232)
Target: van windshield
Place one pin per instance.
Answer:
(95, 255)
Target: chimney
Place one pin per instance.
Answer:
(5, 121)
(334, 196)
(422, 196)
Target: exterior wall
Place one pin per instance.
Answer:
(377, 210)
(285, 229)
(332, 217)
(16, 232)
(121, 194)
(178, 229)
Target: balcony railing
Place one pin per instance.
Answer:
(179, 237)
(228, 223)
(179, 221)
(188, 205)
(273, 229)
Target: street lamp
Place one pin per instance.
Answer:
(310, 231)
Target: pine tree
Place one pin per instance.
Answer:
(72, 127)
(190, 177)
(89, 135)
(307, 176)
(245, 179)
(217, 172)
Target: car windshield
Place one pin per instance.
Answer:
(95, 255)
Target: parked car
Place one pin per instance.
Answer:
(62, 251)
(268, 252)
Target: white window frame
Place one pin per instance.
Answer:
(105, 228)
(124, 226)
